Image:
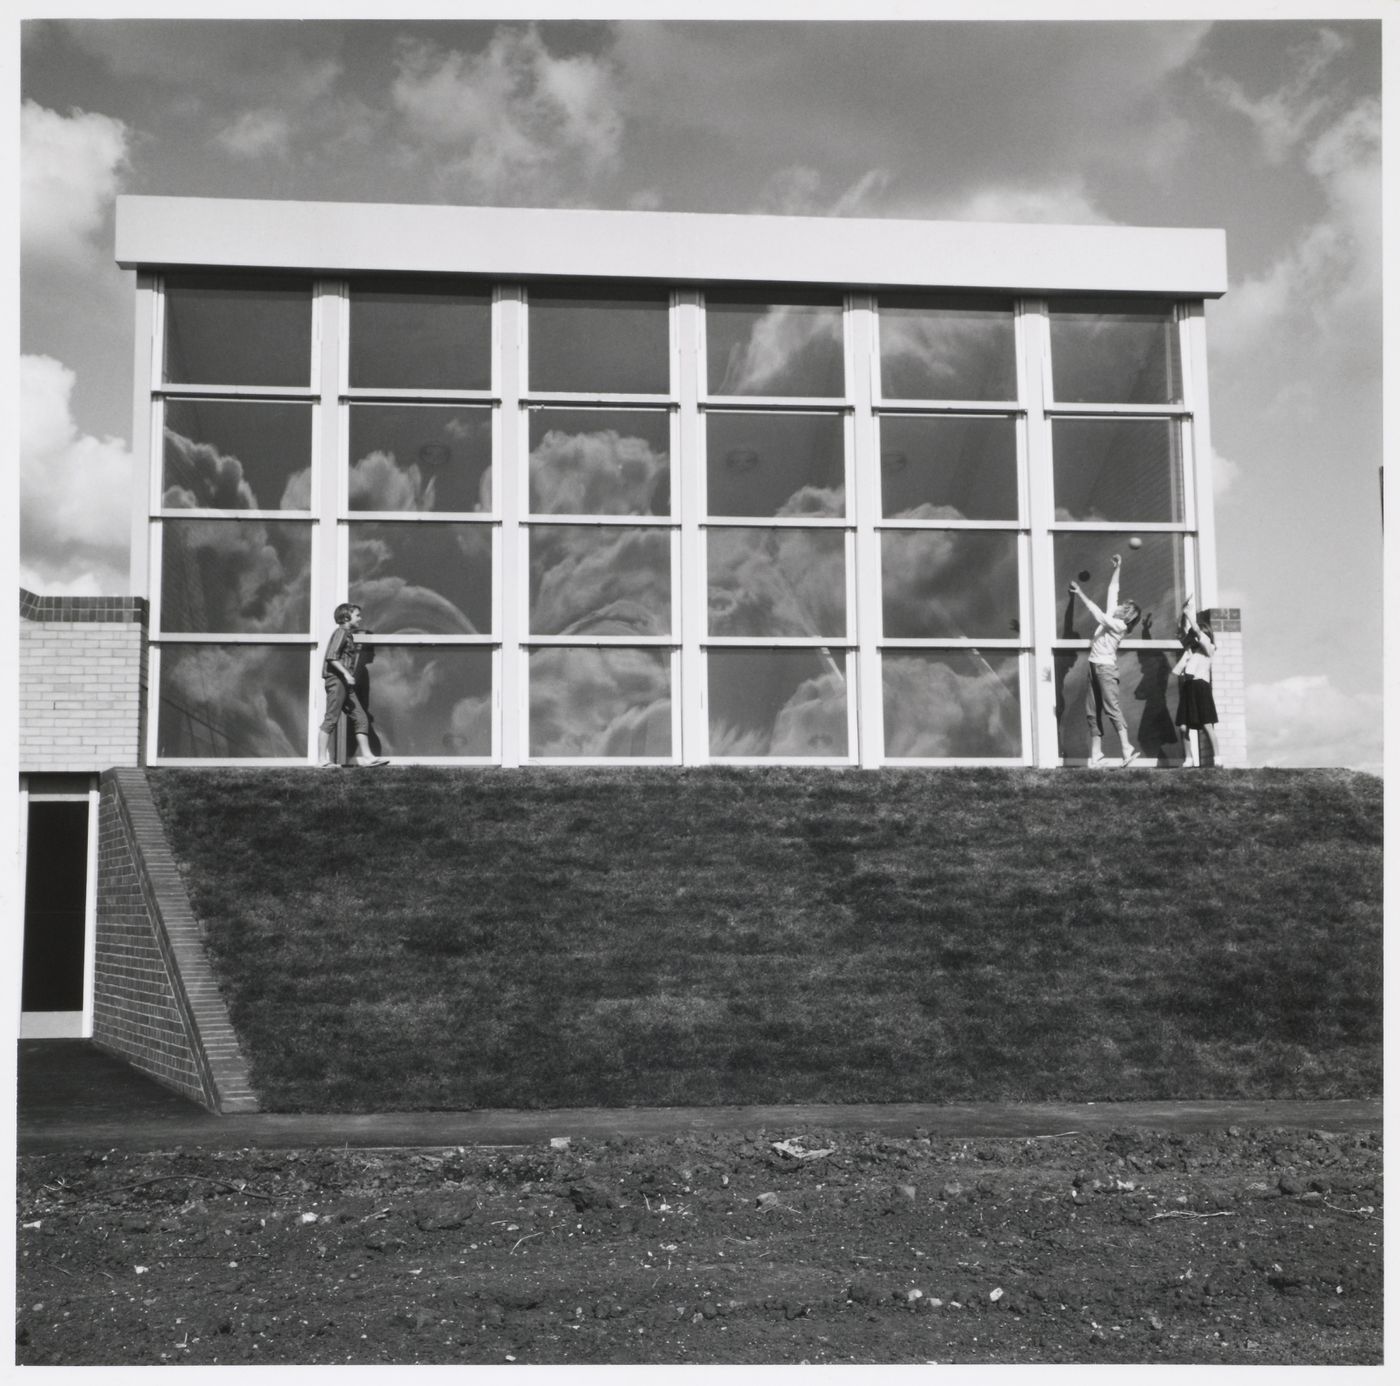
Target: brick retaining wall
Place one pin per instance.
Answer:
(82, 681)
(156, 1002)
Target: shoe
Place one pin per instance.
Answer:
(328, 765)
(1129, 759)
(1096, 762)
(374, 760)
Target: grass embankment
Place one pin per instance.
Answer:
(424, 938)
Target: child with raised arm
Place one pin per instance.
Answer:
(1195, 709)
(338, 668)
(1101, 695)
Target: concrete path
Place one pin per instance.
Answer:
(73, 1096)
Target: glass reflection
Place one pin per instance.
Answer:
(411, 335)
(777, 582)
(775, 464)
(600, 702)
(417, 457)
(947, 347)
(237, 330)
(236, 576)
(945, 584)
(778, 703)
(600, 580)
(1145, 695)
(1117, 469)
(952, 703)
(426, 578)
(600, 462)
(236, 455)
(1104, 352)
(235, 701)
(950, 467)
(600, 340)
(755, 345)
(432, 700)
(1154, 576)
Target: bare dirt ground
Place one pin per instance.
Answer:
(1257, 1246)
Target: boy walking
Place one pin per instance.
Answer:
(1102, 694)
(338, 668)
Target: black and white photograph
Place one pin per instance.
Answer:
(500, 877)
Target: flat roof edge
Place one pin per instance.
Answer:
(695, 247)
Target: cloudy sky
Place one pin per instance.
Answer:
(1270, 129)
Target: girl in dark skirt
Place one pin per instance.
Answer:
(1195, 710)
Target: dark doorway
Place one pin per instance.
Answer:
(55, 906)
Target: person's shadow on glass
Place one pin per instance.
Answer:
(1155, 728)
(1074, 739)
(363, 687)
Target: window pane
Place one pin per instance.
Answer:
(240, 576)
(952, 703)
(778, 703)
(232, 700)
(1114, 353)
(775, 464)
(1148, 703)
(428, 700)
(236, 455)
(600, 340)
(420, 457)
(946, 584)
(243, 330)
(407, 335)
(600, 702)
(600, 580)
(777, 582)
(429, 578)
(600, 462)
(947, 347)
(1154, 576)
(948, 468)
(1117, 469)
(756, 344)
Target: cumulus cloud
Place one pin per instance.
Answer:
(1305, 721)
(70, 172)
(1282, 118)
(600, 702)
(1065, 204)
(1329, 278)
(513, 117)
(1224, 474)
(598, 473)
(75, 491)
(257, 134)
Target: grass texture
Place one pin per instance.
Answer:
(422, 938)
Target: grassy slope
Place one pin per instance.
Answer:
(423, 938)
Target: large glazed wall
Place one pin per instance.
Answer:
(82, 666)
(155, 1000)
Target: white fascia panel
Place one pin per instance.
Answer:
(674, 247)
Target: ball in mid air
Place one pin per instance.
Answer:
(1135, 542)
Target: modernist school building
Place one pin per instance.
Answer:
(631, 488)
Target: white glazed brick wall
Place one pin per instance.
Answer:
(1227, 670)
(81, 690)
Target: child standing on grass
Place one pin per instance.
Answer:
(1195, 709)
(1101, 696)
(338, 668)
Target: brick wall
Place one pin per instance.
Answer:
(82, 682)
(1227, 672)
(156, 1002)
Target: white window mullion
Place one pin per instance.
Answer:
(1033, 324)
(863, 467)
(510, 482)
(1200, 480)
(688, 493)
